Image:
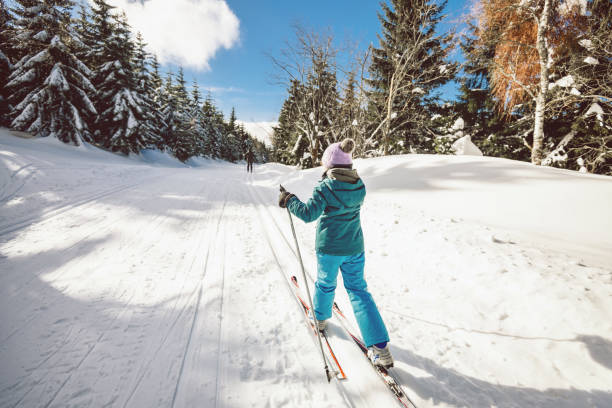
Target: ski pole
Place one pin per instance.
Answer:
(299, 256)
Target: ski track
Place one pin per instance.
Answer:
(59, 209)
(198, 303)
(87, 354)
(99, 226)
(103, 225)
(6, 185)
(151, 226)
(220, 337)
(199, 267)
(144, 368)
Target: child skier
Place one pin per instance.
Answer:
(337, 201)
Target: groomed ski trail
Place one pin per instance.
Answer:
(125, 284)
(148, 301)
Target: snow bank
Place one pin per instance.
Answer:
(464, 146)
(492, 275)
(157, 158)
(512, 195)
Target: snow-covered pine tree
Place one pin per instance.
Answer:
(289, 143)
(219, 126)
(184, 143)
(197, 118)
(350, 110)
(181, 96)
(144, 88)
(168, 110)
(240, 137)
(232, 144)
(10, 33)
(410, 63)
(243, 139)
(236, 140)
(100, 29)
(85, 50)
(592, 149)
(7, 27)
(196, 99)
(6, 22)
(5, 71)
(213, 127)
(120, 125)
(231, 124)
(262, 153)
(493, 134)
(157, 97)
(579, 120)
(49, 86)
(322, 101)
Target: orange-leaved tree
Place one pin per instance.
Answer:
(529, 37)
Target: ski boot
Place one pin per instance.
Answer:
(380, 356)
(321, 325)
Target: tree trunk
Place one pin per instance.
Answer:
(386, 137)
(387, 127)
(390, 99)
(537, 151)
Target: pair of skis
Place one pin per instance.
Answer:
(388, 377)
(329, 352)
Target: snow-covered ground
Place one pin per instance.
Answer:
(146, 283)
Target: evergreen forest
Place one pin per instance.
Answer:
(84, 76)
(535, 81)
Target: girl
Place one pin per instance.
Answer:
(336, 202)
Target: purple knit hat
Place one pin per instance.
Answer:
(338, 154)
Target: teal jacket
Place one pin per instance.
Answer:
(337, 201)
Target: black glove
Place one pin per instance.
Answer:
(284, 197)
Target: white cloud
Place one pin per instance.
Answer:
(262, 131)
(184, 32)
(220, 89)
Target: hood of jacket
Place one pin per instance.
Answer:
(342, 174)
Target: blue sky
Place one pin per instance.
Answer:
(265, 26)
(231, 42)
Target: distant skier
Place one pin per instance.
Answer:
(337, 201)
(250, 157)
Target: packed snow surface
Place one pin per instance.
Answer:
(142, 282)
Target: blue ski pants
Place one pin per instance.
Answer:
(370, 322)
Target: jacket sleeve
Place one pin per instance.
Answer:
(310, 211)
